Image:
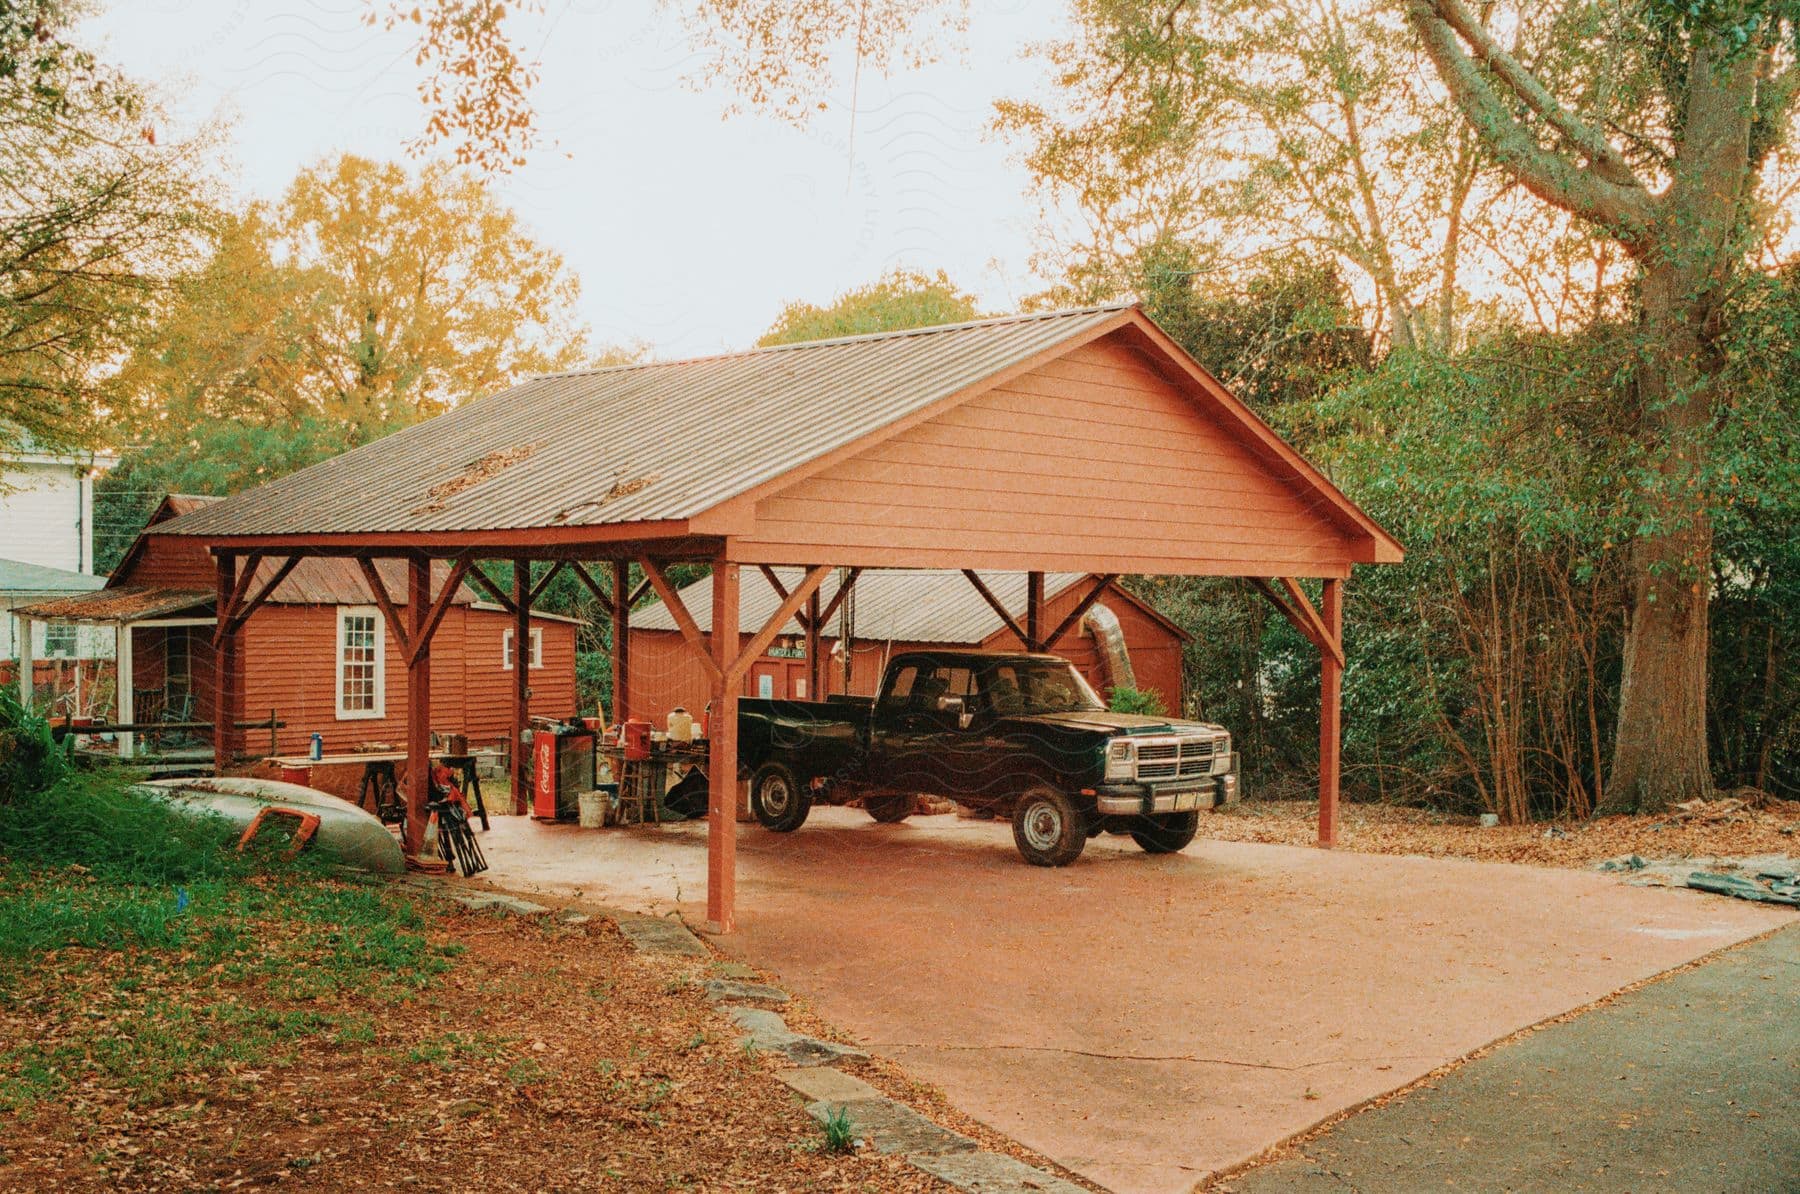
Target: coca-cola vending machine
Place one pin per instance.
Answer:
(562, 767)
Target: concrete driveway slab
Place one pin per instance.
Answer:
(1148, 1021)
(1685, 1084)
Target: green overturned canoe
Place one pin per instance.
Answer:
(346, 833)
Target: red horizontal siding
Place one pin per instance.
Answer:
(1093, 457)
(290, 661)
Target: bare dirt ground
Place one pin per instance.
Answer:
(546, 1057)
(1387, 829)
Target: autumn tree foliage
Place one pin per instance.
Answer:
(368, 297)
(96, 219)
(900, 299)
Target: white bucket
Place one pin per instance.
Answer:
(592, 809)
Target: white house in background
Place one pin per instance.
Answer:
(47, 550)
(47, 507)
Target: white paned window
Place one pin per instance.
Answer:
(361, 663)
(537, 648)
(60, 640)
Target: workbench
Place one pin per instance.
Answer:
(643, 783)
(380, 791)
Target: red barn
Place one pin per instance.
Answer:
(317, 653)
(1123, 641)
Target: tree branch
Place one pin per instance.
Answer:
(1606, 161)
(1624, 210)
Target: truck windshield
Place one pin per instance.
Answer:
(1038, 686)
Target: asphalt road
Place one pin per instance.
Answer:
(1689, 1084)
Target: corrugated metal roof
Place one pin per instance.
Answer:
(906, 606)
(314, 581)
(318, 580)
(126, 603)
(16, 576)
(635, 443)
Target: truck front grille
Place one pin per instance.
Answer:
(1174, 758)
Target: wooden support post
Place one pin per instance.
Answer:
(1034, 611)
(521, 678)
(124, 680)
(27, 664)
(815, 667)
(1331, 692)
(224, 663)
(722, 763)
(418, 700)
(621, 642)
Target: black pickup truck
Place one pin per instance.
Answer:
(1019, 735)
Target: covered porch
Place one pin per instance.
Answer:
(1082, 441)
(162, 707)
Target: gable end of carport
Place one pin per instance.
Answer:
(1112, 452)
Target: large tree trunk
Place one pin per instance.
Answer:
(1659, 754)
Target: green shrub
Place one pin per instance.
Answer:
(1136, 700)
(29, 759)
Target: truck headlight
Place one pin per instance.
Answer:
(1121, 759)
(1221, 754)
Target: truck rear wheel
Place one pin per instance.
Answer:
(890, 808)
(777, 798)
(1165, 833)
(1047, 827)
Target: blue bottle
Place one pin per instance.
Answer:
(318, 747)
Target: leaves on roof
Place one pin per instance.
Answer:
(473, 474)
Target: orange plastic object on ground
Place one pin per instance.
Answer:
(309, 825)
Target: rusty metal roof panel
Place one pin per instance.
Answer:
(635, 443)
(126, 603)
(904, 606)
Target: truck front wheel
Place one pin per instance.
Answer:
(1047, 827)
(1165, 833)
(777, 798)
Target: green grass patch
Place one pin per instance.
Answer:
(148, 956)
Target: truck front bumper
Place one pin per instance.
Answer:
(1125, 800)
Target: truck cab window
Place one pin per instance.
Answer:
(900, 687)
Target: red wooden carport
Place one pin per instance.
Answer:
(1073, 441)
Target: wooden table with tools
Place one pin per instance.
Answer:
(644, 782)
(380, 789)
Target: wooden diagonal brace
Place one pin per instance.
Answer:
(245, 608)
(485, 583)
(1298, 610)
(593, 586)
(224, 623)
(396, 627)
(452, 585)
(800, 615)
(987, 595)
(1080, 611)
(690, 630)
(543, 583)
(760, 642)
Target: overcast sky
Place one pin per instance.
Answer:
(689, 230)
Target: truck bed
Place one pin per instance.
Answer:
(815, 738)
